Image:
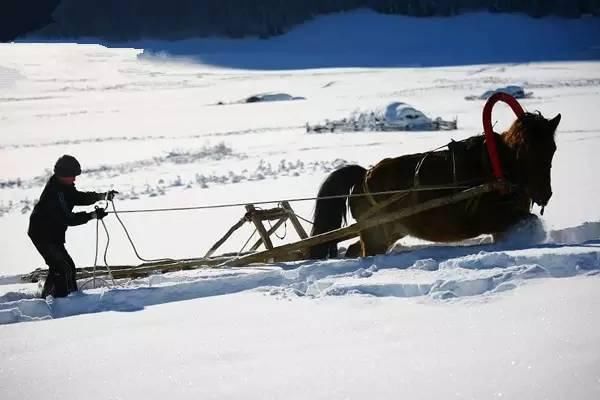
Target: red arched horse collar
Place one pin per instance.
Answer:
(490, 140)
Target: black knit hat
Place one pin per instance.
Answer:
(67, 166)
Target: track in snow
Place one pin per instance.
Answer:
(432, 272)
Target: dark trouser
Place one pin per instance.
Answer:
(61, 274)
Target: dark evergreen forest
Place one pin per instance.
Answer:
(177, 19)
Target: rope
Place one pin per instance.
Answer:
(104, 257)
(275, 232)
(420, 163)
(297, 199)
(304, 219)
(247, 241)
(137, 254)
(93, 279)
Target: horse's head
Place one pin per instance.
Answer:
(531, 140)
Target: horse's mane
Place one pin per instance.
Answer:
(523, 129)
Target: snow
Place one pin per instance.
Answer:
(527, 343)
(468, 320)
(453, 272)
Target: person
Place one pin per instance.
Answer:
(50, 218)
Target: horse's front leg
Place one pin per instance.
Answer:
(527, 230)
(373, 241)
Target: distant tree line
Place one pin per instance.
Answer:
(177, 19)
(19, 17)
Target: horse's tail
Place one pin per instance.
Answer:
(330, 213)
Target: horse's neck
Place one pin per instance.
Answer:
(507, 156)
(481, 166)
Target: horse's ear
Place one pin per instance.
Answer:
(554, 122)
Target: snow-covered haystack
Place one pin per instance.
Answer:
(514, 90)
(395, 116)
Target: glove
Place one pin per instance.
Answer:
(111, 195)
(99, 213)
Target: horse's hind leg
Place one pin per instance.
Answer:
(374, 241)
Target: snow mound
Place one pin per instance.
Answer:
(394, 116)
(397, 113)
(518, 92)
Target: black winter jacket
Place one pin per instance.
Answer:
(53, 212)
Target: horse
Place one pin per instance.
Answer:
(525, 152)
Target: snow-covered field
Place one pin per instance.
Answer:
(474, 321)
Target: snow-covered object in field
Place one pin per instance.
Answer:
(266, 97)
(398, 114)
(395, 116)
(518, 92)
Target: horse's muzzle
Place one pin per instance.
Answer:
(543, 199)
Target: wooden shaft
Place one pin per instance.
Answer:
(380, 205)
(294, 220)
(225, 237)
(353, 230)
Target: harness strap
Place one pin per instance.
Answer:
(367, 192)
(452, 153)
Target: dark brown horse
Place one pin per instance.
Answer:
(525, 152)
